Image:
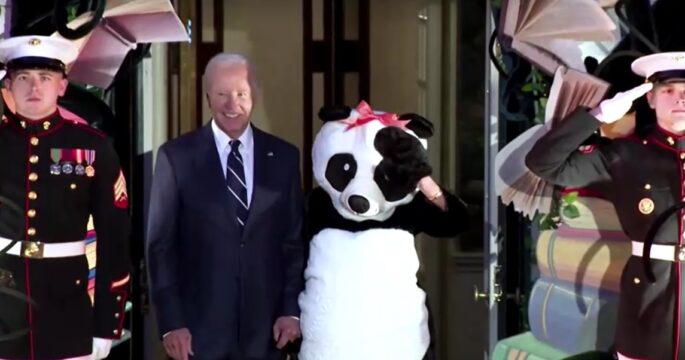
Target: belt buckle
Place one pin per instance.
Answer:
(34, 249)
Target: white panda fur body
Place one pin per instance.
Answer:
(359, 286)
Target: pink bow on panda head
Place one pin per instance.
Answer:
(367, 115)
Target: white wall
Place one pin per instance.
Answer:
(393, 52)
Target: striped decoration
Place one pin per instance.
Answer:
(572, 317)
(591, 248)
(572, 256)
(526, 347)
(91, 246)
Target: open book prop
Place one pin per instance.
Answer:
(514, 183)
(549, 33)
(606, 4)
(124, 25)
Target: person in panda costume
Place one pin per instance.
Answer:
(361, 298)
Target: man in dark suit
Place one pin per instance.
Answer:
(224, 247)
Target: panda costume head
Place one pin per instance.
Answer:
(361, 221)
(358, 160)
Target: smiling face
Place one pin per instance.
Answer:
(668, 101)
(35, 92)
(230, 97)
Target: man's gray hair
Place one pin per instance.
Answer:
(224, 59)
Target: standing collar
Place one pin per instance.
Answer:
(36, 126)
(222, 139)
(668, 139)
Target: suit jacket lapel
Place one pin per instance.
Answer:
(263, 193)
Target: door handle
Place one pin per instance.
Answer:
(498, 295)
(478, 295)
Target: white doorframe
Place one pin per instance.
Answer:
(491, 233)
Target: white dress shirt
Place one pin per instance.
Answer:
(246, 150)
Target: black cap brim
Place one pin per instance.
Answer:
(36, 63)
(669, 76)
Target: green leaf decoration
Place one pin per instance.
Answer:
(570, 211)
(571, 197)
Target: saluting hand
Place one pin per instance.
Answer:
(177, 344)
(610, 110)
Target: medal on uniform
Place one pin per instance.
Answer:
(67, 167)
(79, 169)
(55, 169)
(56, 156)
(90, 158)
(646, 206)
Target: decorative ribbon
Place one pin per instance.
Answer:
(56, 155)
(78, 155)
(367, 115)
(90, 156)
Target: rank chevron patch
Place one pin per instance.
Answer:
(120, 195)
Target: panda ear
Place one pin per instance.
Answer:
(332, 113)
(419, 125)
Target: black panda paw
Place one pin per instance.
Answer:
(397, 180)
(403, 154)
(412, 171)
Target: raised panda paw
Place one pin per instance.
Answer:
(405, 160)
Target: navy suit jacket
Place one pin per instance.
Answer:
(226, 288)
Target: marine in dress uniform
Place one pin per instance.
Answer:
(54, 174)
(646, 178)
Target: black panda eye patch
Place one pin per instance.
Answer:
(340, 170)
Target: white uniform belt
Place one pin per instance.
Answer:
(39, 250)
(660, 252)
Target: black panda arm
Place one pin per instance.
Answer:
(320, 213)
(311, 214)
(431, 220)
(315, 207)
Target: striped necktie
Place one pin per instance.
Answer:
(235, 181)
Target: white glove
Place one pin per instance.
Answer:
(101, 348)
(610, 110)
